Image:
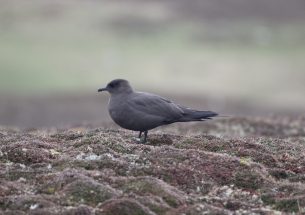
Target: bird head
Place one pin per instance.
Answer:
(117, 86)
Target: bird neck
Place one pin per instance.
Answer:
(121, 95)
(128, 90)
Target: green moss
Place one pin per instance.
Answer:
(88, 192)
(67, 136)
(268, 199)
(50, 190)
(121, 149)
(151, 186)
(158, 209)
(122, 207)
(287, 205)
(184, 144)
(119, 168)
(88, 165)
(171, 200)
(3, 204)
(84, 141)
(248, 180)
(187, 141)
(281, 173)
(14, 175)
(20, 203)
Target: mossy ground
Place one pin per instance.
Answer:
(258, 168)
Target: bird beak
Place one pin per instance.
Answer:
(102, 89)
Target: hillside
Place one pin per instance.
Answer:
(241, 165)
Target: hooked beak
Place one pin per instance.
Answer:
(102, 89)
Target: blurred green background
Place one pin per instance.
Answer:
(235, 56)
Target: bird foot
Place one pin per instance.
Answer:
(139, 140)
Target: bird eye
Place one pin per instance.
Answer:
(114, 84)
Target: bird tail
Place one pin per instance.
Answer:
(196, 115)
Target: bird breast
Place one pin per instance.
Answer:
(119, 112)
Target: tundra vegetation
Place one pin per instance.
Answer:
(241, 165)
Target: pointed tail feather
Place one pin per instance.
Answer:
(195, 115)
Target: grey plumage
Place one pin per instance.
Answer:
(139, 111)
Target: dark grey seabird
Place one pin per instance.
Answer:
(139, 111)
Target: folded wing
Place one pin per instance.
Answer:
(157, 106)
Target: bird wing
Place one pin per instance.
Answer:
(155, 105)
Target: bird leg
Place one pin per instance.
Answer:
(140, 135)
(145, 136)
